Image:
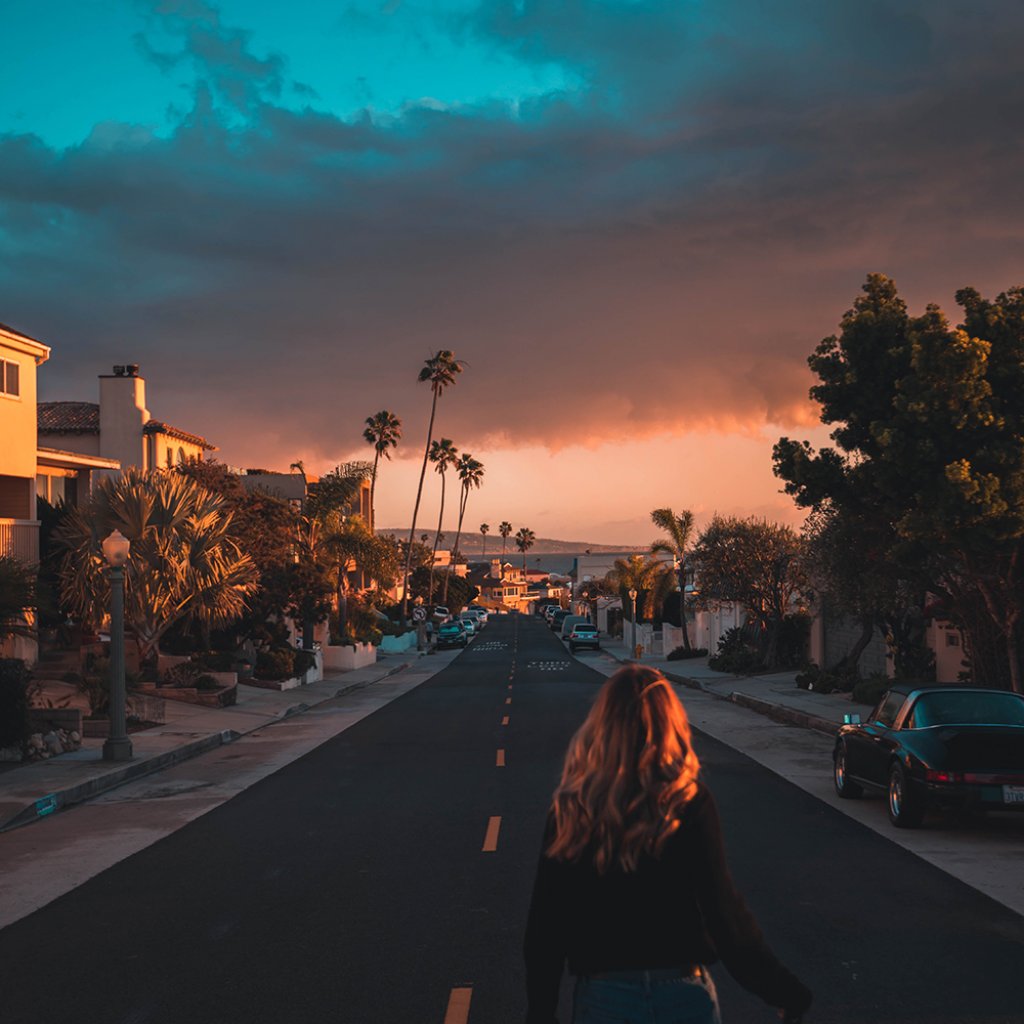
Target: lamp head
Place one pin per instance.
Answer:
(116, 548)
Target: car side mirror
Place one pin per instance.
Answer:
(851, 719)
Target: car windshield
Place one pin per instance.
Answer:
(451, 627)
(962, 707)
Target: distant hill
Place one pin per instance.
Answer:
(471, 544)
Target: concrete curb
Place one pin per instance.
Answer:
(130, 772)
(788, 716)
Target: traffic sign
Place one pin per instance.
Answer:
(419, 615)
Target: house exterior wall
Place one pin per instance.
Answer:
(84, 444)
(840, 635)
(18, 412)
(167, 451)
(123, 414)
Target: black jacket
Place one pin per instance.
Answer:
(681, 908)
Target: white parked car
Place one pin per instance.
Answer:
(468, 620)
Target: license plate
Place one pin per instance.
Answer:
(1013, 794)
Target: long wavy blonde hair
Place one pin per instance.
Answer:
(629, 772)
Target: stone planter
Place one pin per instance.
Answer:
(222, 697)
(349, 657)
(274, 684)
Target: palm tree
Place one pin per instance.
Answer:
(525, 538)
(680, 532)
(652, 579)
(505, 529)
(471, 473)
(440, 371)
(484, 530)
(383, 431)
(184, 562)
(443, 454)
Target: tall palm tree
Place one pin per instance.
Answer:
(471, 473)
(525, 538)
(439, 371)
(443, 454)
(383, 431)
(484, 530)
(505, 529)
(680, 533)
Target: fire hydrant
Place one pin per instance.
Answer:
(638, 651)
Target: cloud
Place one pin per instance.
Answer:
(656, 254)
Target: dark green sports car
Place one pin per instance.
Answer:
(935, 746)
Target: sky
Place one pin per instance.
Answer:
(633, 219)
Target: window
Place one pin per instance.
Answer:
(889, 709)
(10, 378)
(952, 639)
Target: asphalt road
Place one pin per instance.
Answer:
(352, 885)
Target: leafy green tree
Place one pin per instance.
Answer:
(440, 372)
(443, 454)
(471, 475)
(185, 563)
(505, 529)
(927, 423)
(525, 539)
(354, 547)
(383, 431)
(337, 491)
(757, 564)
(680, 530)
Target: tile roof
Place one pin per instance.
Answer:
(68, 417)
(159, 427)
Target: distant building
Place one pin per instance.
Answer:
(119, 426)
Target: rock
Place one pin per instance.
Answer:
(35, 741)
(75, 737)
(53, 744)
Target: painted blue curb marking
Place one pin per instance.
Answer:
(46, 805)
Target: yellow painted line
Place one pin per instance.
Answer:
(458, 1006)
(491, 838)
(500, 762)
(508, 700)
(504, 721)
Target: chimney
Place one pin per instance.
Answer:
(496, 568)
(123, 414)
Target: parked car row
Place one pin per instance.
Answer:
(457, 631)
(577, 630)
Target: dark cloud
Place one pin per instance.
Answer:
(655, 254)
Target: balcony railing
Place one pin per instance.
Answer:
(19, 538)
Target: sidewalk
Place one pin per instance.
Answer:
(32, 791)
(774, 694)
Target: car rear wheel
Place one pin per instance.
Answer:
(906, 808)
(845, 786)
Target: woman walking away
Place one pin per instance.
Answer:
(632, 888)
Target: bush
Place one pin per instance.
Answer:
(181, 676)
(791, 645)
(218, 661)
(869, 691)
(206, 682)
(277, 663)
(14, 680)
(304, 660)
(824, 681)
(735, 654)
(681, 653)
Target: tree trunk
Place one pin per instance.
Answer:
(342, 605)
(416, 509)
(437, 538)
(458, 536)
(849, 661)
(373, 493)
(682, 607)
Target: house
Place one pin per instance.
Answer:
(28, 470)
(504, 586)
(119, 426)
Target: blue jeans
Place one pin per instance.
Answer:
(646, 997)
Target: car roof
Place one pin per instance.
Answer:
(910, 687)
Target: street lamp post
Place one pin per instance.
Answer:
(118, 747)
(632, 597)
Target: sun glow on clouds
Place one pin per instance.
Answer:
(634, 220)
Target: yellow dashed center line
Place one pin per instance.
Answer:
(491, 836)
(458, 1006)
(504, 721)
(500, 761)
(508, 700)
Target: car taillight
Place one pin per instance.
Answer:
(932, 775)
